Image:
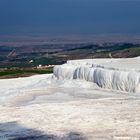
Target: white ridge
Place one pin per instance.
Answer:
(117, 74)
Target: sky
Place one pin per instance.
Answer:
(70, 16)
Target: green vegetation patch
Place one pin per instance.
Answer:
(131, 52)
(23, 73)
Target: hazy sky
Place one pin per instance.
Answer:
(70, 16)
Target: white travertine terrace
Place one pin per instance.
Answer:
(73, 106)
(117, 74)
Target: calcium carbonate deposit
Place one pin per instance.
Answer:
(106, 73)
(96, 99)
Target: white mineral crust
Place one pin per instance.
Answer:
(96, 99)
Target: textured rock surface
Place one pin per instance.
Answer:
(71, 108)
(114, 74)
